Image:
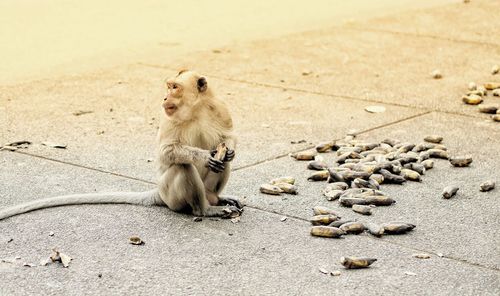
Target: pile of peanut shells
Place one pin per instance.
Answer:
(476, 94)
(359, 169)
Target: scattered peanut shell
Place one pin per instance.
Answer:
(491, 85)
(410, 175)
(495, 69)
(449, 191)
(482, 91)
(337, 186)
(472, 86)
(135, 240)
(287, 188)
(304, 155)
(496, 92)
(319, 210)
(375, 109)
(332, 194)
(319, 176)
(438, 153)
(375, 229)
(362, 209)
(326, 231)
(316, 165)
(391, 178)
(378, 200)
(487, 185)
(436, 139)
(428, 164)
(489, 109)
(352, 227)
(417, 167)
(335, 273)
(397, 227)
(436, 74)
(472, 99)
(377, 177)
(496, 117)
(350, 201)
(461, 161)
(422, 256)
(340, 222)
(324, 147)
(289, 180)
(323, 219)
(270, 189)
(355, 263)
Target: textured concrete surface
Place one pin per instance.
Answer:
(365, 65)
(474, 23)
(259, 255)
(385, 61)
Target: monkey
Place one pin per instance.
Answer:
(193, 123)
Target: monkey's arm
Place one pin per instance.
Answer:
(174, 153)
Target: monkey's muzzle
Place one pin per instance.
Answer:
(170, 108)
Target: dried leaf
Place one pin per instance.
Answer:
(375, 109)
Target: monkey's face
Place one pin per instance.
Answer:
(173, 100)
(183, 95)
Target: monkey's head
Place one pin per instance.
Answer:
(185, 94)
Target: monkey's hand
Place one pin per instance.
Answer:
(215, 165)
(229, 154)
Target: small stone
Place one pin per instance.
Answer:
(283, 219)
(472, 99)
(492, 85)
(51, 233)
(490, 109)
(487, 186)
(436, 139)
(472, 86)
(436, 74)
(99, 275)
(335, 273)
(440, 254)
(410, 273)
(495, 69)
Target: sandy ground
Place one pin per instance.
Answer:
(42, 39)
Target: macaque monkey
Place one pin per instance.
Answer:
(192, 173)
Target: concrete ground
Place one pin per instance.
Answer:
(377, 55)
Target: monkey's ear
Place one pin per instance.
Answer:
(202, 84)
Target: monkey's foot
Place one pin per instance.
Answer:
(231, 212)
(231, 201)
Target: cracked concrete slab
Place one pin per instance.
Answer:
(373, 66)
(460, 21)
(124, 113)
(260, 253)
(463, 227)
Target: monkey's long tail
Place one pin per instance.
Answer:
(146, 198)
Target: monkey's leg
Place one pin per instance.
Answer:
(214, 193)
(181, 185)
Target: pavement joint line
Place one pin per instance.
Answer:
(419, 35)
(84, 167)
(255, 83)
